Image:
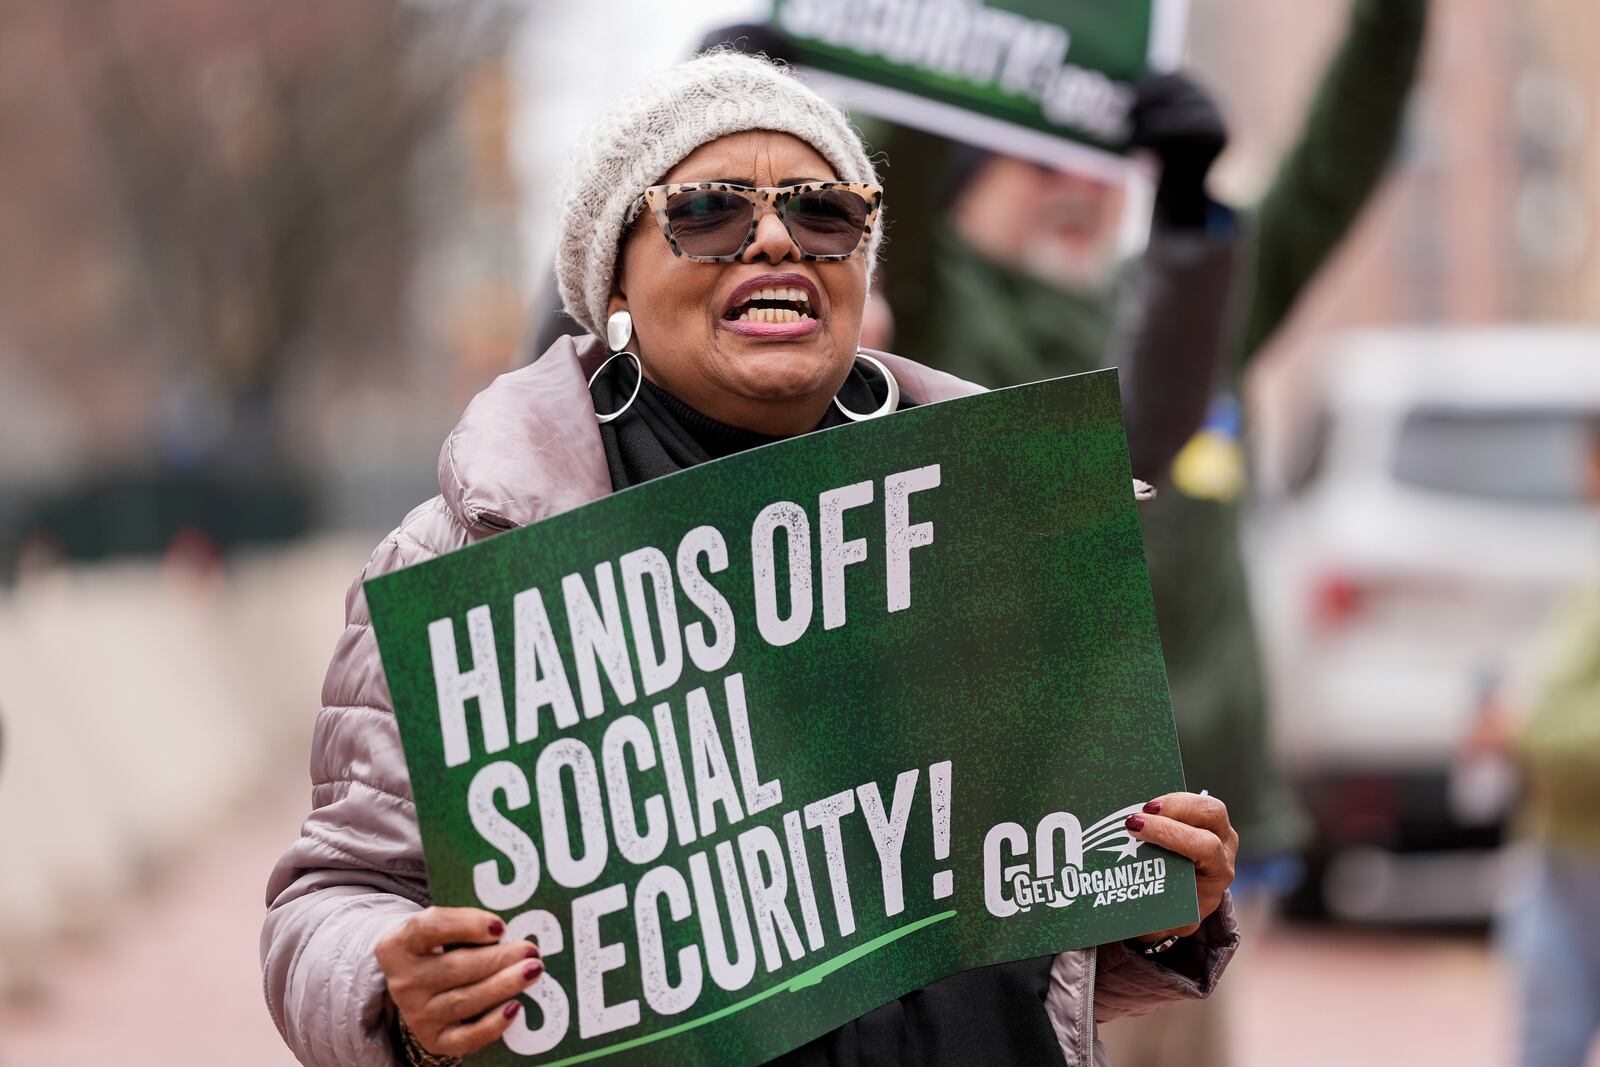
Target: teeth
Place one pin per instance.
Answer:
(774, 294)
(771, 315)
(789, 294)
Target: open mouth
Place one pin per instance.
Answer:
(772, 304)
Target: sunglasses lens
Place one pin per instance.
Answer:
(827, 222)
(708, 222)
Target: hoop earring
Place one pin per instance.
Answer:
(619, 331)
(890, 402)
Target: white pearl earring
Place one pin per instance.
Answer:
(619, 331)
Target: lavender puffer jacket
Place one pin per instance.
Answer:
(527, 448)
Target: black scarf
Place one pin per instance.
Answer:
(991, 1015)
(660, 434)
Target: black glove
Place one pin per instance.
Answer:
(1179, 122)
(751, 38)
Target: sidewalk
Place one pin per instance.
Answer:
(178, 983)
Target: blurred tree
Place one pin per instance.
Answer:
(232, 200)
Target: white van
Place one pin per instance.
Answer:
(1448, 500)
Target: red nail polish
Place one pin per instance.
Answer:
(530, 952)
(496, 927)
(1153, 808)
(531, 971)
(1135, 823)
(511, 1009)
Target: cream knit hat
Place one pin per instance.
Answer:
(654, 126)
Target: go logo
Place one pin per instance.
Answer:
(1010, 886)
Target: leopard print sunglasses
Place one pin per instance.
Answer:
(714, 222)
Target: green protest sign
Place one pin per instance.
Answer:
(1050, 79)
(754, 748)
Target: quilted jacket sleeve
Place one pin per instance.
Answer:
(1130, 984)
(356, 870)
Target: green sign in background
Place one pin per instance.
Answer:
(1027, 657)
(960, 55)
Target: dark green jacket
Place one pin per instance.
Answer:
(996, 326)
(984, 322)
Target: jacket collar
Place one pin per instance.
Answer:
(528, 446)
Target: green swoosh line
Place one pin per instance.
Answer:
(804, 980)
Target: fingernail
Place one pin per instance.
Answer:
(511, 1009)
(1153, 808)
(1135, 823)
(530, 952)
(531, 971)
(496, 927)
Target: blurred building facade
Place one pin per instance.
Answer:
(1492, 213)
(1493, 210)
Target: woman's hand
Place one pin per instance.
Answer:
(458, 1000)
(1193, 825)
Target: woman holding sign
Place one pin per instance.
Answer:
(717, 239)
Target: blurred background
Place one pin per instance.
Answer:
(256, 255)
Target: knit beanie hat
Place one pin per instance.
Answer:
(652, 128)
